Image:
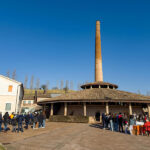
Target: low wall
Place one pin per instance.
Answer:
(71, 119)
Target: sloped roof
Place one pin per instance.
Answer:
(98, 95)
(11, 79)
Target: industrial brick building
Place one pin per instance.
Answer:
(97, 97)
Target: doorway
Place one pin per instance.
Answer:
(97, 116)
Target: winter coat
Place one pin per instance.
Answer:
(35, 119)
(40, 118)
(11, 116)
(44, 116)
(14, 121)
(27, 118)
(6, 118)
(20, 119)
(132, 122)
(103, 117)
(120, 119)
(1, 119)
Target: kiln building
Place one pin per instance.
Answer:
(97, 97)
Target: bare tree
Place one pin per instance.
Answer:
(79, 86)
(14, 74)
(47, 85)
(61, 84)
(57, 85)
(86, 82)
(25, 82)
(138, 92)
(67, 84)
(148, 93)
(65, 89)
(8, 74)
(37, 84)
(31, 82)
(54, 88)
(71, 85)
(44, 88)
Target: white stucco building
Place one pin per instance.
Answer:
(11, 95)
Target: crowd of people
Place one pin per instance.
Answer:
(19, 122)
(122, 122)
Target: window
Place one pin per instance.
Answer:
(29, 102)
(10, 87)
(24, 102)
(8, 107)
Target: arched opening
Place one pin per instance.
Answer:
(97, 116)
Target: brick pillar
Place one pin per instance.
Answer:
(65, 109)
(84, 108)
(107, 108)
(52, 109)
(130, 109)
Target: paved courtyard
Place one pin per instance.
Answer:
(72, 136)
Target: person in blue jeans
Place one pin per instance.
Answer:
(20, 119)
(1, 120)
(103, 120)
(44, 119)
(115, 120)
(27, 120)
(40, 119)
(111, 122)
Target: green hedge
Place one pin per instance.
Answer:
(71, 119)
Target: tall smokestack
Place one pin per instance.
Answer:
(98, 55)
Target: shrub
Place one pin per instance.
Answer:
(71, 119)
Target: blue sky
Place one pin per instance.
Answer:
(55, 40)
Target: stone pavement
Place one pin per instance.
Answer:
(73, 136)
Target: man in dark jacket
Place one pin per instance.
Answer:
(44, 120)
(120, 120)
(1, 120)
(20, 119)
(6, 120)
(27, 120)
(14, 123)
(35, 121)
(40, 119)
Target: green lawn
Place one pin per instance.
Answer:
(2, 148)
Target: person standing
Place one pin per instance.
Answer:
(111, 122)
(27, 119)
(44, 120)
(6, 120)
(31, 119)
(35, 121)
(1, 120)
(40, 119)
(132, 122)
(12, 116)
(107, 120)
(115, 120)
(126, 126)
(14, 123)
(20, 119)
(120, 120)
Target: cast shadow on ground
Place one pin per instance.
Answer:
(98, 125)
